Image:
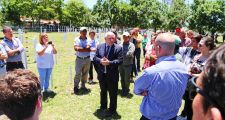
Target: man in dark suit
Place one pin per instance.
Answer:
(108, 57)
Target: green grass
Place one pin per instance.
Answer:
(65, 105)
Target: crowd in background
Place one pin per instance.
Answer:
(180, 65)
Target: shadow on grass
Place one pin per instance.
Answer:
(100, 115)
(47, 95)
(129, 95)
(83, 91)
(93, 83)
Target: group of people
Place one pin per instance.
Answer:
(11, 50)
(176, 66)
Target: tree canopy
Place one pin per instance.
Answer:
(201, 15)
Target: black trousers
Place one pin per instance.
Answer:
(91, 70)
(138, 56)
(144, 118)
(108, 85)
(134, 69)
(144, 52)
(10, 66)
(187, 106)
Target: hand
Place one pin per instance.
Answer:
(145, 93)
(104, 61)
(11, 53)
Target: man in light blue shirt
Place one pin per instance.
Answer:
(14, 49)
(3, 57)
(163, 84)
(82, 64)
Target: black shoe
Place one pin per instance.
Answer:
(84, 89)
(75, 90)
(108, 114)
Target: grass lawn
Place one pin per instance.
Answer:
(65, 105)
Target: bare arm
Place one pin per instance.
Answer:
(80, 49)
(53, 49)
(40, 53)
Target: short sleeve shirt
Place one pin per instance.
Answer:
(47, 59)
(82, 43)
(2, 49)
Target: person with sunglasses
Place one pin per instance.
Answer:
(162, 84)
(21, 98)
(205, 46)
(209, 102)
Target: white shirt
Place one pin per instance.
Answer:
(46, 60)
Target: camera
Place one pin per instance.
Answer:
(49, 42)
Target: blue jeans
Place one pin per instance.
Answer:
(44, 76)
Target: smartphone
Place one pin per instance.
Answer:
(49, 42)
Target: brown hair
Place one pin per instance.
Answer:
(42, 36)
(209, 42)
(19, 91)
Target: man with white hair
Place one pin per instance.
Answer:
(108, 57)
(163, 84)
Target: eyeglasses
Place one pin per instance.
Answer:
(200, 45)
(194, 89)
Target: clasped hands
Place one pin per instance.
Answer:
(104, 61)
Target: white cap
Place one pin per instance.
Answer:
(126, 34)
(83, 28)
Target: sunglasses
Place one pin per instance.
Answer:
(194, 89)
(200, 45)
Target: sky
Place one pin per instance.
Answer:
(90, 3)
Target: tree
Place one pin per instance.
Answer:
(208, 16)
(13, 10)
(108, 12)
(75, 13)
(178, 14)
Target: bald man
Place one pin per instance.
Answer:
(162, 85)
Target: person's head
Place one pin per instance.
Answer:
(145, 35)
(110, 38)
(206, 44)
(164, 45)
(92, 34)
(126, 37)
(209, 103)
(116, 35)
(83, 32)
(132, 33)
(195, 40)
(43, 39)
(190, 34)
(181, 33)
(7, 31)
(177, 43)
(20, 93)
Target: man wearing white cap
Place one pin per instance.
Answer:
(82, 63)
(126, 67)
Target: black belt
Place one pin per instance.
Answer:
(18, 62)
(83, 57)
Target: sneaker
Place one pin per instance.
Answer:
(75, 90)
(90, 82)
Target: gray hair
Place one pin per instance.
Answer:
(109, 33)
(166, 41)
(6, 28)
